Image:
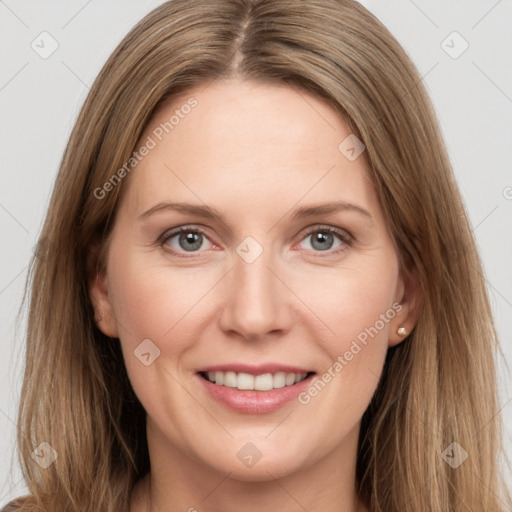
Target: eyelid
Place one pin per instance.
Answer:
(342, 233)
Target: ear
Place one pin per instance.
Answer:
(100, 298)
(409, 296)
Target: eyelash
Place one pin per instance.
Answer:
(345, 238)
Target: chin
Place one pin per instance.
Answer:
(250, 464)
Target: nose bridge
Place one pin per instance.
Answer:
(256, 303)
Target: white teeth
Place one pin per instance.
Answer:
(230, 379)
(245, 381)
(289, 379)
(264, 382)
(279, 380)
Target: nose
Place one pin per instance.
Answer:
(257, 301)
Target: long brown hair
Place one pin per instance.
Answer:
(438, 387)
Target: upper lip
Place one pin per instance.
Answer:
(254, 369)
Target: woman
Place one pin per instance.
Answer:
(260, 287)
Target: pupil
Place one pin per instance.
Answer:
(322, 238)
(190, 238)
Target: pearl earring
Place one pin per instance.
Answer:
(401, 331)
(99, 319)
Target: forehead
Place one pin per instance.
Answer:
(235, 115)
(250, 141)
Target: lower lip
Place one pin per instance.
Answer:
(254, 402)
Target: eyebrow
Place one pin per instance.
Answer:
(208, 212)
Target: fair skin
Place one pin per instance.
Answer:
(256, 153)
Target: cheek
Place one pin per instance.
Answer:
(356, 306)
(150, 300)
(351, 301)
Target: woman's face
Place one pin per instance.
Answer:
(295, 276)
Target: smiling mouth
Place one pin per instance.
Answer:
(246, 381)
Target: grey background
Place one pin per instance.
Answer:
(40, 99)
